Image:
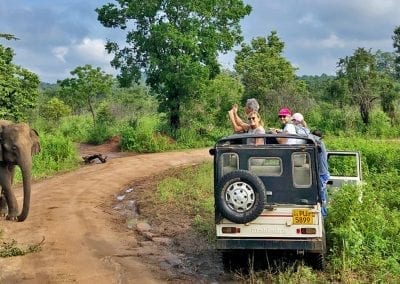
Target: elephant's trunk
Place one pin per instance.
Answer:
(26, 170)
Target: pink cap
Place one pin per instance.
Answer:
(285, 111)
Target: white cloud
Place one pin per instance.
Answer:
(93, 49)
(309, 19)
(332, 41)
(60, 52)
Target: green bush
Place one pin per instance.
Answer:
(58, 153)
(189, 138)
(379, 125)
(143, 136)
(104, 114)
(76, 127)
(54, 109)
(334, 120)
(100, 133)
(105, 125)
(363, 232)
(363, 223)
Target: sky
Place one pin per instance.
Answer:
(56, 36)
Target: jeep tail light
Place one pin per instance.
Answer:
(230, 230)
(306, 231)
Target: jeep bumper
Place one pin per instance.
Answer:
(310, 245)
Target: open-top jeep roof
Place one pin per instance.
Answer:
(267, 196)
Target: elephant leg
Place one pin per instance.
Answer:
(6, 176)
(3, 205)
(3, 201)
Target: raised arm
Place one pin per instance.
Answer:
(237, 123)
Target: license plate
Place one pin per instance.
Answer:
(302, 216)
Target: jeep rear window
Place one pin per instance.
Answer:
(230, 162)
(301, 170)
(265, 166)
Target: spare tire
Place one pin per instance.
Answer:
(240, 196)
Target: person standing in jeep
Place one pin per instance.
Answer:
(285, 117)
(323, 170)
(239, 126)
(300, 124)
(256, 127)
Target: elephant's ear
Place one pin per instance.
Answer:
(3, 124)
(35, 141)
(1, 143)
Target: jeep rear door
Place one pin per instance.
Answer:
(344, 167)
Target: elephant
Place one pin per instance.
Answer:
(18, 143)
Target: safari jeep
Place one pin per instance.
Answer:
(267, 199)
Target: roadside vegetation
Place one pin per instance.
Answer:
(362, 226)
(12, 248)
(172, 94)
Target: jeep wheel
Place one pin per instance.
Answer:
(237, 261)
(316, 261)
(240, 196)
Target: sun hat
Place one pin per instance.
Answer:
(298, 117)
(284, 111)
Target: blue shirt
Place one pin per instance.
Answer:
(323, 160)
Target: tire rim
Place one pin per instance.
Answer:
(240, 197)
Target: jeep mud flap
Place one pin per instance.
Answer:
(314, 245)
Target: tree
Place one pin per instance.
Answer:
(396, 45)
(361, 73)
(18, 86)
(8, 36)
(54, 109)
(133, 102)
(337, 92)
(175, 43)
(386, 63)
(266, 74)
(85, 89)
(211, 108)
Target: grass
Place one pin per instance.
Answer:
(191, 192)
(12, 248)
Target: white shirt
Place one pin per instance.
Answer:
(291, 129)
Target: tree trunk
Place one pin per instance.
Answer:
(364, 111)
(174, 118)
(92, 112)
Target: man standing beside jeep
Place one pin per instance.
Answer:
(323, 170)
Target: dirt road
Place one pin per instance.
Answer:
(82, 244)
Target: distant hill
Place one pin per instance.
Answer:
(47, 86)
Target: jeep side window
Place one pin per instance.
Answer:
(265, 166)
(230, 162)
(301, 170)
